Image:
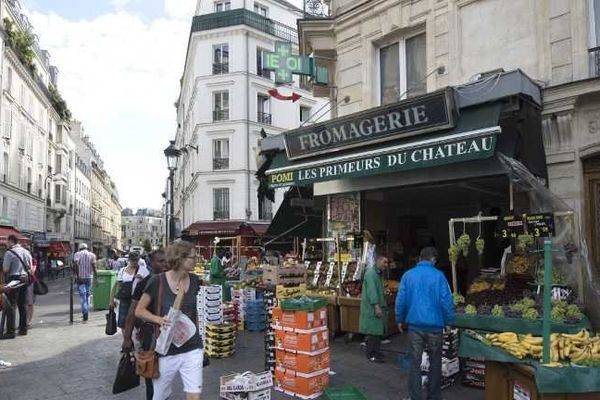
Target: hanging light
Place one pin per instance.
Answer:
(172, 153)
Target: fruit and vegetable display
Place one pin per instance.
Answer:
(502, 292)
(581, 348)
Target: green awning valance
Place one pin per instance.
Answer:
(474, 138)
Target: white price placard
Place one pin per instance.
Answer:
(344, 272)
(329, 274)
(317, 273)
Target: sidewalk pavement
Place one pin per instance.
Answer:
(57, 360)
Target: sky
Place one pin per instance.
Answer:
(120, 62)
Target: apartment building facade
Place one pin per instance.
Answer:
(145, 226)
(215, 186)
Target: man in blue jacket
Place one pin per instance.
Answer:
(424, 303)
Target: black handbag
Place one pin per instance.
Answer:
(40, 288)
(111, 322)
(126, 378)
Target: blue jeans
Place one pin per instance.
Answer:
(84, 294)
(420, 340)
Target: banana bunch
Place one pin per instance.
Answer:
(579, 348)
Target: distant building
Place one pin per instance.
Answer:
(145, 224)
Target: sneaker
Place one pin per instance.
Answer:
(5, 364)
(85, 317)
(386, 341)
(376, 359)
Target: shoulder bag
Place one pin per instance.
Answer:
(39, 286)
(146, 364)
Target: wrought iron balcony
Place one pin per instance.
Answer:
(220, 115)
(220, 68)
(263, 118)
(595, 53)
(220, 163)
(242, 16)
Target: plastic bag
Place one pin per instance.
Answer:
(111, 322)
(126, 378)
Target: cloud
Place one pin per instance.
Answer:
(183, 9)
(123, 3)
(120, 76)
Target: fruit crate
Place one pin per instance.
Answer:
(346, 392)
(277, 275)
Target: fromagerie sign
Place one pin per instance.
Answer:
(407, 118)
(440, 153)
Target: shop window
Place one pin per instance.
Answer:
(220, 59)
(305, 113)
(260, 71)
(221, 106)
(402, 69)
(220, 154)
(222, 6)
(221, 203)
(260, 9)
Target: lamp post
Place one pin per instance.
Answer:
(172, 154)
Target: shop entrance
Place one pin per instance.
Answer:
(403, 220)
(591, 168)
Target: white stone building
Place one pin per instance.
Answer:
(83, 190)
(144, 225)
(223, 107)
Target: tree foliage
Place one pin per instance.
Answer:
(147, 245)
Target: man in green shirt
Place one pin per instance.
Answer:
(373, 309)
(217, 275)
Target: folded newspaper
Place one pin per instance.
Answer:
(179, 331)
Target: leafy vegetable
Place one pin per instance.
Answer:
(530, 314)
(524, 242)
(498, 311)
(458, 299)
(470, 310)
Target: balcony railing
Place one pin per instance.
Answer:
(220, 115)
(242, 16)
(220, 163)
(595, 53)
(263, 118)
(220, 214)
(220, 68)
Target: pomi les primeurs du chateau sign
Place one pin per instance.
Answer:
(407, 118)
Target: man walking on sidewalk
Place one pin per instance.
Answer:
(424, 303)
(16, 267)
(85, 267)
(373, 309)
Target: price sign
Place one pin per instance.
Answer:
(357, 272)
(511, 226)
(306, 264)
(344, 272)
(329, 274)
(540, 225)
(317, 273)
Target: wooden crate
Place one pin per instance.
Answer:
(278, 275)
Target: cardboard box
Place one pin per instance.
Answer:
(302, 341)
(300, 319)
(302, 362)
(302, 385)
(264, 394)
(262, 380)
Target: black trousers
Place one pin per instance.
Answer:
(147, 330)
(373, 345)
(18, 299)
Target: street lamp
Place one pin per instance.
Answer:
(172, 154)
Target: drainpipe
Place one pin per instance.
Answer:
(248, 181)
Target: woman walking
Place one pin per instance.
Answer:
(128, 278)
(161, 292)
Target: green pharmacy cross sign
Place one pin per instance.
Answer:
(285, 64)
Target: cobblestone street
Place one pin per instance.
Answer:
(57, 360)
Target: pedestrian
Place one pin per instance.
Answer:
(30, 298)
(128, 278)
(373, 309)
(186, 360)
(217, 272)
(85, 268)
(424, 304)
(17, 267)
(113, 262)
(143, 335)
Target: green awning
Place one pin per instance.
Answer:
(474, 138)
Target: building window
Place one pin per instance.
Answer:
(221, 106)
(265, 209)
(221, 203)
(402, 69)
(7, 126)
(222, 6)
(304, 113)
(4, 207)
(259, 64)
(29, 180)
(58, 164)
(5, 167)
(220, 59)
(263, 108)
(9, 79)
(57, 193)
(220, 154)
(260, 9)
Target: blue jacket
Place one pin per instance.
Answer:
(424, 301)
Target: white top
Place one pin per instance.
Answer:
(123, 276)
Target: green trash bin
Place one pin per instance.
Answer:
(102, 287)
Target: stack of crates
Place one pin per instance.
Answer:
(474, 373)
(229, 313)
(237, 298)
(301, 351)
(269, 302)
(255, 315)
(209, 302)
(219, 340)
(450, 360)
